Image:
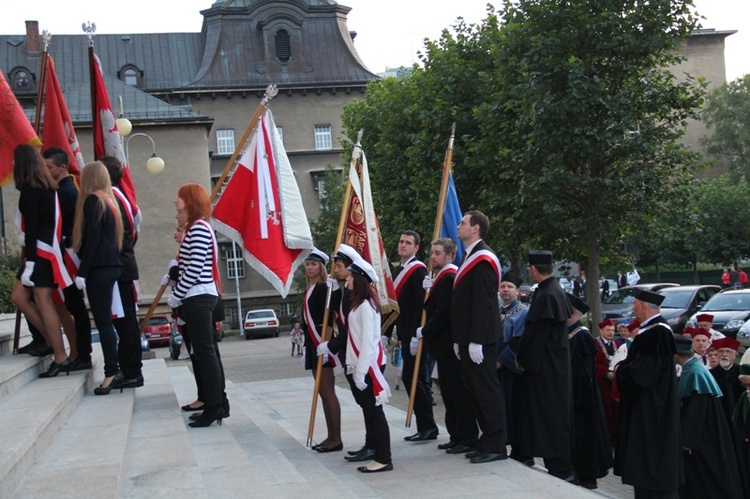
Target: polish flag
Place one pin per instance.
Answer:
(15, 129)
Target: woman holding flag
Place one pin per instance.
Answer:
(365, 361)
(313, 308)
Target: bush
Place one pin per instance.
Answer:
(9, 264)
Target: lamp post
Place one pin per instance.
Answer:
(154, 164)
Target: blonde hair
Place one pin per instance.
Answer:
(95, 181)
(322, 277)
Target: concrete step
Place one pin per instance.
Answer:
(7, 330)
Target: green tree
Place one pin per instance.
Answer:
(723, 213)
(9, 263)
(727, 114)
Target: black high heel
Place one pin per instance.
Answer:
(105, 390)
(211, 414)
(55, 368)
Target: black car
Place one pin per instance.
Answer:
(681, 302)
(619, 305)
(730, 308)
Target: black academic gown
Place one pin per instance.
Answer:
(592, 450)
(711, 468)
(545, 414)
(731, 388)
(649, 447)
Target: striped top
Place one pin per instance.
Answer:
(196, 263)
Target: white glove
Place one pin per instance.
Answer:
(332, 283)
(165, 280)
(26, 276)
(455, 350)
(419, 333)
(80, 282)
(323, 349)
(173, 302)
(172, 263)
(427, 283)
(413, 346)
(360, 383)
(475, 352)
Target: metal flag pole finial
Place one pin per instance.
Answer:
(89, 28)
(46, 38)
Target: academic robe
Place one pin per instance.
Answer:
(730, 387)
(710, 465)
(543, 352)
(605, 385)
(649, 446)
(592, 450)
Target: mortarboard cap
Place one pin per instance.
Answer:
(648, 296)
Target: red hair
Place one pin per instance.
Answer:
(197, 203)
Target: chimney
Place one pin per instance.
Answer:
(33, 40)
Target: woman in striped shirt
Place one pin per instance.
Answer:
(197, 290)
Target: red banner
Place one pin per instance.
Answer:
(15, 129)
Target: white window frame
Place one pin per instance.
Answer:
(235, 263)
(323, 138)
(225, 142)
(286, 309)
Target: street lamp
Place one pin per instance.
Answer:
(154, 164)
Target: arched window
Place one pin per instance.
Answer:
(21, 80)
(283, 46)
(131, 75)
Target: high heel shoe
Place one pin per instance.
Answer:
(190, 408)
(114, 383)
(55, 368)
(211, 414)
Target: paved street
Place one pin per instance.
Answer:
(267, 359)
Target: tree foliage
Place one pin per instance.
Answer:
(727, 112)
(723, 211)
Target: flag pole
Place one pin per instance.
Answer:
(435, 235)
(46, 38)
(356, 154)
(270, 93)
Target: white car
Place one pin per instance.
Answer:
(261, 323)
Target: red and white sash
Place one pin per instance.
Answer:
(475, 258)
(380, 387)
(53, 252)
(404, 275)
(447, 270)
(312, 330)
(129, 212)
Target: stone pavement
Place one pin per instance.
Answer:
(262, 366)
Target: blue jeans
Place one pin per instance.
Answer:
(99, 286)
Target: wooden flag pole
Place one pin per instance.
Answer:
(435, 235)
(46, 37)
(356, 154)
(271, 92)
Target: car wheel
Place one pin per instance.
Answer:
(247, 336)
(276, 334)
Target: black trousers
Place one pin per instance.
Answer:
(77, 307)
(422, 397)
(197, 368)
(198, 314)
(376, 422)
(369, 443)
(460, 419)
(129, 352)
(487, 397)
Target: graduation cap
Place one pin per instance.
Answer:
(577, 303)
(683, 344)
(696, 331)
(346, 254)
(634, 325)
(648, 296)
(725, 342)
(623, 323)
(608, 322)
(361, 267)
(513, 279)
(540, 257)
(318, 256)
(704, 318)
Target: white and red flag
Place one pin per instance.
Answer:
(362, 232)
(261, 208)
(107, 140)
(57, 128)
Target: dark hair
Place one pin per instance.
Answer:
(361, 291)
(413, 234)
(29, 169)
(449, 246)
(58, 156)
(114, 167)
(480, 219)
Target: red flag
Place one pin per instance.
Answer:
(57, 128)
(261, 209)
(362, 233)
(107, 141)
(15, 129)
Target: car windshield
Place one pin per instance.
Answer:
(157, 321)
(676, 297)
(620, 297)
(728, 301)
(260, 314)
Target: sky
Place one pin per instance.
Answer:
(389, 32)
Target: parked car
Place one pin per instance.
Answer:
(681, 302)
(619, 306)
(219, 331)
(261, 323)
(176, 341)
(743, 336)
(523, 292)
(157, 330)
(731, 310)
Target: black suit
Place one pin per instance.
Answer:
(410, 303)
(475, 318)
(460, 419)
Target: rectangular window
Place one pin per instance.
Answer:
(225, 142)
(235, 263)
(286, 309)
(323, 141)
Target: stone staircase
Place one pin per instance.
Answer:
(59, 440)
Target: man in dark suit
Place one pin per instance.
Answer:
(475, 321)
(459, 413)
(410, 294)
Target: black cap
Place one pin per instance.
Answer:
(683, 344)
(513, 279)
(745, 369)
(648, 296)
(540, 257)
(577, 303)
